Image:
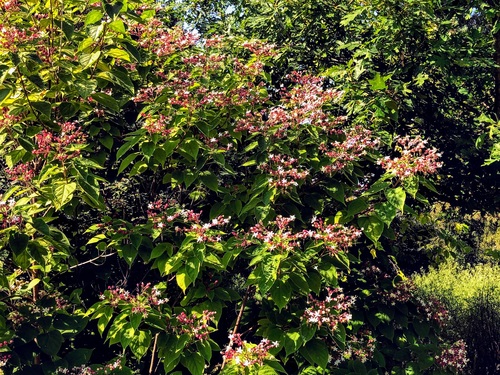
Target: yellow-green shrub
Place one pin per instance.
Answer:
(472, 297)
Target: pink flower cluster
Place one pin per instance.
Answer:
(246, 354)
(162, 214)
(4, 358)
(454, 357)
(433, 310)
(9, 5)
(141, 302)
(194, 325)
(356, 144)
(282, 171)
(402, 293)
(21, 172)
(259, 48)
(11, 37)
(70, 135)
(335, 237)
(360, 346)
(86, 370)
(6, 119)
(330, 312)
(415, 158)
(157, 125)
(302, 106)
(160, 40)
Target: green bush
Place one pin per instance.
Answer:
(472, 297)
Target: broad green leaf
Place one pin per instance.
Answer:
(43, 107)
(63, 193)
(396, 197)
(119, 54)
(293, 341)
(194, 362)
(118, 26)
(18, 242)
(41, 226)
(50, 342)
(182, 279)
(93, 16)
(339, 335)
(356, 206)
(281, 293)
(386, 212)
(78, 357)
(316, 353)
(106, 100)
(336, 191)
(210, 180)
(371, 227)
(377, 83)
(87, 60)
(190, 148)
(140, 343)
(269, 272)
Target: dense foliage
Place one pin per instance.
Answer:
(472, 297)
(177, 202)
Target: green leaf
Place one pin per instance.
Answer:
(336, 191)
(93, 16)
(281, 293)
(43, 107)
(339, 335)
(106, 100)
(371, 227)
(386, 212)
(112, 10)
(119, 54)
(18, 242)
(119, 78)
(410, 185)
(50, 342)
(118, 26)
(210, 180)
(377, 83)
(4, 93)
(78, 357)
(140, 343)
(190, 148)
(205, 349)
(194, 362)
(126, 162)
(63, 193)
(87, 60)
(131, 142)
(138, 168)
(356, 206)
(316, 353)
(396, 197)
(269, 272)
(266, 370)
(41, 226)
(293, 341)
(182, 279)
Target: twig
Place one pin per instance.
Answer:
(238, 320)
(91, 260)
(153, 355)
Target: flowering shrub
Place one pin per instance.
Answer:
(252, 209)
